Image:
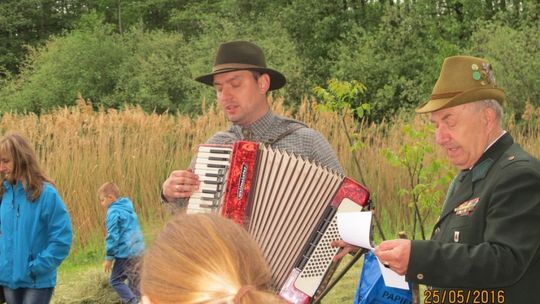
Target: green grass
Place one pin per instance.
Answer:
(81, 278)
(81, 284)
(345, 289)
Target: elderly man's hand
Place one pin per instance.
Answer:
(395, 254)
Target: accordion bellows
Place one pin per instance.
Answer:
(288, 205)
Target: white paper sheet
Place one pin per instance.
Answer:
(355, 229)
(392, 279)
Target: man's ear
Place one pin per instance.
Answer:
(490, 116)
(264, 83)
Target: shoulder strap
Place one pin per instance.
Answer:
(272, 141)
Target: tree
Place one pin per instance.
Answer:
(29, 23)
(515, 57)
(398, 61)
(145, 68)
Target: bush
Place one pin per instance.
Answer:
(84, 61)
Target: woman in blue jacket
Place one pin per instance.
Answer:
(35, 228)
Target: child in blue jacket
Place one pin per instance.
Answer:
(124, 243)
(35, 228)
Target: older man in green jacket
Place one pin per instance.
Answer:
(485, 247)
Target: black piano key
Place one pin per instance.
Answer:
(208, 198)
(216, 166)
(216, 194)
(213, 203)
(213, 175)
(214, 158)
(219, 178)
(220, 151)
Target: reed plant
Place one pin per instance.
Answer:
(81, 148)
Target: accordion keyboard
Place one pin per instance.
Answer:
(211, 165)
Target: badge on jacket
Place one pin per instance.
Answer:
(466, 208)
(456, 236)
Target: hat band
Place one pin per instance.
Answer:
(445, 95)
(235, 66)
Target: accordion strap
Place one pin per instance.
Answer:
(272, 141)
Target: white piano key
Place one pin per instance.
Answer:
(215, 161)
(210, 187)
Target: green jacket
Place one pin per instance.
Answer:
(487, 239)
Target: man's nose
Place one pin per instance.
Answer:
(441, 136)
(225, 93)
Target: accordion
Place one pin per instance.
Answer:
(288, 205)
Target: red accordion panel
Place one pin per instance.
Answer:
(352, 190)
(240, 181)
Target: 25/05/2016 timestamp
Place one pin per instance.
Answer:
(459, 296)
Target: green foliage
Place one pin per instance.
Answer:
(155, 74)
(314, 39)
(149, 69)
(398, 61)
(427, 175)
(83, 62)
(343, 96)
(29, 23)
(515, 57)
(147, 51)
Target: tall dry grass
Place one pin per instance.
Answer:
(81, 149)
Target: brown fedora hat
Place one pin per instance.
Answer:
(242, 55)
(463, 79)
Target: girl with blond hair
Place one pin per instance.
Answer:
(35, 229)
(205, 258)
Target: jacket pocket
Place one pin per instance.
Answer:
(30, 272)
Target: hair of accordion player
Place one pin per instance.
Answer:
(205, 258)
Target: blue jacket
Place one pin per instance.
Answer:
(124, 237)
(35, 237)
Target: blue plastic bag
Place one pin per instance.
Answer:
(371, 289)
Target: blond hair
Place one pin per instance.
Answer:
(205, 258)
(109, 188)
(25, 165)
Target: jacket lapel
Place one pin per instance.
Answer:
(464, 183)
(463, 189)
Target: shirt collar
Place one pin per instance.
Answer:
(495, 140)
(259, 128)
(491, 144)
